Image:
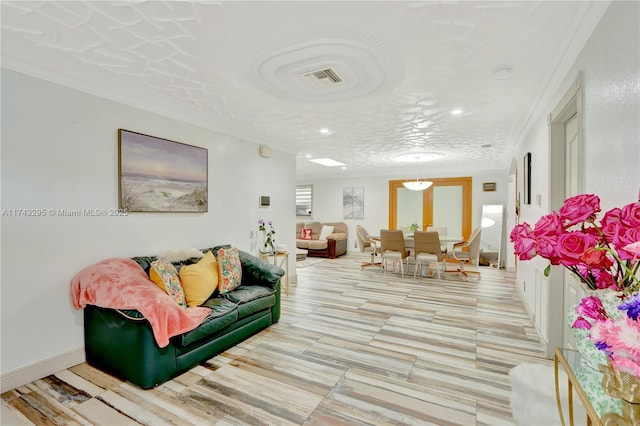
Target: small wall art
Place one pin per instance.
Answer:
(489, 186)
(159, 175)
(353, 202)
(527, 179)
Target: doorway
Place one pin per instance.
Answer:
(445, 203)
(565, 180)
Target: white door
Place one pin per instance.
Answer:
(572, 286)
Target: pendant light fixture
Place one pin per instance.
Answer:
(417, 185)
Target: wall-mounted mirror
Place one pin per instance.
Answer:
(491, 240)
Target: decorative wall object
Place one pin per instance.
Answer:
(527, 178)
(159, 175)
(489, 186)
(353, 202)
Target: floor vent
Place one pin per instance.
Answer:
(324, 77)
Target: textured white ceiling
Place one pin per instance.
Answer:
(235, 67)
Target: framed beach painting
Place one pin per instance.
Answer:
(160, 175)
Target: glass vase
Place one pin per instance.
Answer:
(626, 388)
(588, 373)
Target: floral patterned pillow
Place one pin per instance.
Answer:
(305, 234)
(165, 276)
(230, 269)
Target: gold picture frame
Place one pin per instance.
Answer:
(489, 186)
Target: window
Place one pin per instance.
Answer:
(304, 195)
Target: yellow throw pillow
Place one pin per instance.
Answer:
(200, 280)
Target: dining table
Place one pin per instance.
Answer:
(409, 243)
(446, 244)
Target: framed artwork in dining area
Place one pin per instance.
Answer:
(353, 202)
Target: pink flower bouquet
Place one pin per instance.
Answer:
(602, 255)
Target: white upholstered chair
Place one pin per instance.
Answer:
(428, 251)
(392, 248)
(442, 232)
(469, 257)
(366, 243)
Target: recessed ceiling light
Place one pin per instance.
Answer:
(456, 111)
(308, 156)
(326, 131)
(412, 157)
(327, 162)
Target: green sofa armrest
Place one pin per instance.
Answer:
(256, 271)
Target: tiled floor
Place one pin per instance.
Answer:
(351, 347)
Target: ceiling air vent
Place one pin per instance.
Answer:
(324, 77)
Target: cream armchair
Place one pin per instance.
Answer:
(471, 256)
(366, 243)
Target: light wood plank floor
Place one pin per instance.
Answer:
(351, 347)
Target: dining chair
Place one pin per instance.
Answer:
(428, 250)
(470, 256)
(442, 232)
(367, 243)
(392, 248)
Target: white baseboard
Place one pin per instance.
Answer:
(38, 370)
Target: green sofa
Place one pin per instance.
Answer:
(121, 342)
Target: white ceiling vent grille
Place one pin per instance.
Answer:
(324, 77)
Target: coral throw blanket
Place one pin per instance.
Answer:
(120, 283)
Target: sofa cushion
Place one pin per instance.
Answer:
(312, 244)
(230, 269)
(165, 276)
(305, 234)
(223, 313)
(339, 227)
(247, 309)
(325, 232)
(200, 280)
(247, 293)
(317, 244)
(251, 299)
(316, 227)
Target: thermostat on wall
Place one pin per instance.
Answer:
(265, 201)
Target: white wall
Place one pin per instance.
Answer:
(610, 67)
(59, 151)
(327, 199)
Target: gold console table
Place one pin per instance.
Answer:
(569, 359)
